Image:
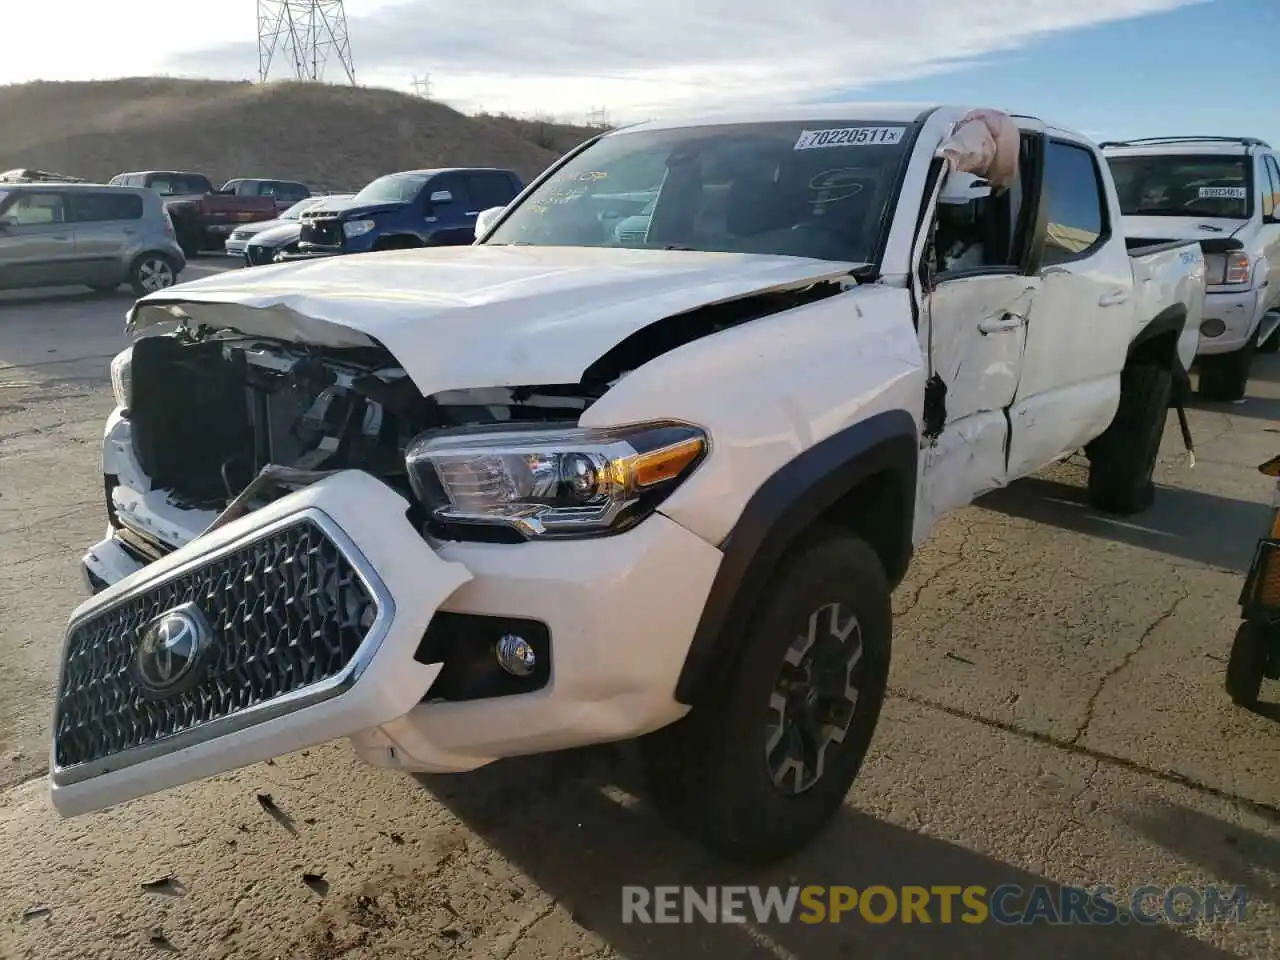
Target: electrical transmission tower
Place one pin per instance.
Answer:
(308, 32)
(422, 85)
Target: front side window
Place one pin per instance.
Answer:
(816, 189)
(393, 188)
(1077, 207)
(1184, 186)
(35, 209)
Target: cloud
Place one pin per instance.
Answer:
(640, 57)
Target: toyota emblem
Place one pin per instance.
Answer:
(170, 649)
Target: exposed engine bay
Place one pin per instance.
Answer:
(209, 415)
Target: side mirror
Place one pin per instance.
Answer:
(486, 219)
(961, 188)
(441, 196)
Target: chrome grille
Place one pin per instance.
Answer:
(288, 612)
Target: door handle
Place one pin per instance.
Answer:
(1001, 324)
(61, 236)
(1114, 298)
(472, 213)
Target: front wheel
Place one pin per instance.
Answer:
(761, 767)
(1248, 664)
(152, 272)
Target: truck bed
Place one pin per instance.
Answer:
(1167, 273)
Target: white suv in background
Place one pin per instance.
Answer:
(1224, 192)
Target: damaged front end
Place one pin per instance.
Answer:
(273, 572)
(210, 428)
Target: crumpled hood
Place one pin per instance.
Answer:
(1181, 228)
(476, 316)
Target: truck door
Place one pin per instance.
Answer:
(972, 334)
(1078, 331)
(451, 216)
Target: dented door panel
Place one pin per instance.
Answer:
(979, 332)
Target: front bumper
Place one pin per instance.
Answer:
(618, 611)
(1238, 311)
(235, 247)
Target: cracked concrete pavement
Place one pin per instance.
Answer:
(1057, 717)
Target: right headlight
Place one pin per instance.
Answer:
(549, 483)
(122, 377)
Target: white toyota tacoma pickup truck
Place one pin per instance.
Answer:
(572, 484)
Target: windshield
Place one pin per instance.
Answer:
(804, 189)
(393, 188)
(1183, 186)
(295, 212)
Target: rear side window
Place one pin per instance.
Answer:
(94, 207)
(491, 189)
(1077, 212)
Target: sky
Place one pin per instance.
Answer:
(1112, 68)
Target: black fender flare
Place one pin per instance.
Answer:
(783, 507)
(1168, 323)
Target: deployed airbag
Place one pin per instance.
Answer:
(985, 142)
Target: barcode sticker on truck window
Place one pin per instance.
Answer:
(1223, 193)
(849, 137)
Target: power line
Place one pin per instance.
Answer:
(306, 32)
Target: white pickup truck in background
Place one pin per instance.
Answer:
(1225, 193)
(576, 484)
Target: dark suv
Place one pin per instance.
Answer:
(416, 208)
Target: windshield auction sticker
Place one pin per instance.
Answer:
(849, 137)
(1223, 193)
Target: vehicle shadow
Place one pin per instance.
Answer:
(1257, 408)
(1216, 531)
(573, 823)
(1241, 857)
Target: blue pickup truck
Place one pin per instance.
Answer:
(416, 208)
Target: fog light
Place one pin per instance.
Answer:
(515, 655)
(1213, 328)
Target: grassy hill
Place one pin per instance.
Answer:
(328, 136)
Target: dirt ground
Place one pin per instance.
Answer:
(1058, 718)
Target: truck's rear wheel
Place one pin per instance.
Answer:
(762, 767)
(1225, 377)
(1123, 458)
